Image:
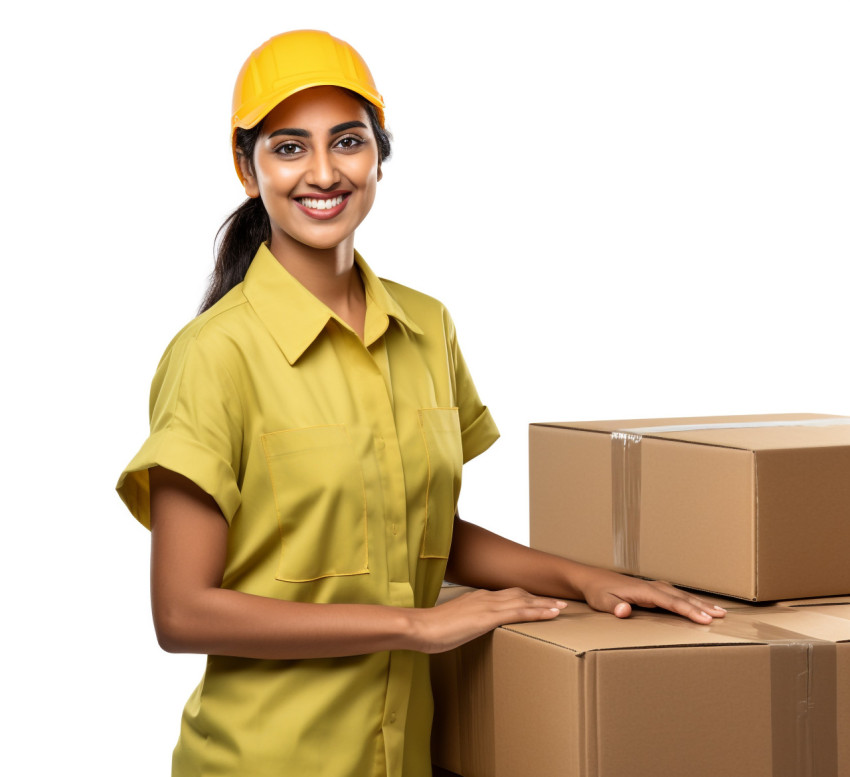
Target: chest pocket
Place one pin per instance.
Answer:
(320, 502)
(440, 427)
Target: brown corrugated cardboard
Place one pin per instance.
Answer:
(818, 601)
(756, 507)
(836, 609)
(463, 701)
(763, 693)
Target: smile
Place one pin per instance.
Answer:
(321, 204)
(322, 208)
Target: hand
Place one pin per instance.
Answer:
(470, 615)
(615, 593)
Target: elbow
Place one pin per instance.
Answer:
(168, 642)
(173, 629)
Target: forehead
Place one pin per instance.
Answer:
(316, 109)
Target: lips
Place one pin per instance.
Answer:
(323, 206)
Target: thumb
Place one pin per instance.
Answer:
(614, 604)
(622, 609)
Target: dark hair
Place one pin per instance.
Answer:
(244, 230)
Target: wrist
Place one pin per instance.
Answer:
(576, 579)
(412, 628)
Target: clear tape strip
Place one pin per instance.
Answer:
(738, 624)
(625, 495)
(804, 724)
(837, 421)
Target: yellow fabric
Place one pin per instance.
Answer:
(337, 464)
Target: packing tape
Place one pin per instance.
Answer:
(837, 421)
(803, 711)
(626, 478)
(737, 624)
(625, 500)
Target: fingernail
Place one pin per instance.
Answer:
(704, 614)
(554, 609)
(561, 604)
(719, 608)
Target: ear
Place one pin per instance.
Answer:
(249, 180)
(380, 172)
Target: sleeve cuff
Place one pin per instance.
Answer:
(187, 457)
(479, 435)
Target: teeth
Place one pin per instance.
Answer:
(308, 202)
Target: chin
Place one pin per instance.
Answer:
(323, 245)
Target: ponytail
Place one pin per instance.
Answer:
(239, 238)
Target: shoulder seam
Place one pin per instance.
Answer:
(217, 314)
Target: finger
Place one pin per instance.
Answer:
(716, 611)
(622, 609)
(527, 607)
(531, 609)
(526, 614)
(610, 602)
(658, 595)
(695, 602)
(694, 612)
(509, 597)
(510, 606)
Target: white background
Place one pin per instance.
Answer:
(632, 209)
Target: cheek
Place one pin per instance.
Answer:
(371, 192)
(273, 176)
(277, 181)
(369, 179)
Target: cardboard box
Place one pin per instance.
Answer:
(763, 693)
(756, 507)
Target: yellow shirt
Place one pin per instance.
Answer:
(337, 465)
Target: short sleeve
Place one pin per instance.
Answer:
(196, 429)
(478, 429)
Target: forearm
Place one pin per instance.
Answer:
(194, 614)
(224, 622)
(485, 560)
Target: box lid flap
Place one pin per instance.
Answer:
(583, 630)
(747, 432)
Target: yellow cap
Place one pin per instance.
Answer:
(293, 61)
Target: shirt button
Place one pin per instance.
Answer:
(392, 717)
(380, 444)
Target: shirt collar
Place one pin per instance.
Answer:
(295, 317)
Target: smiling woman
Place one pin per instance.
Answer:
(301, 478)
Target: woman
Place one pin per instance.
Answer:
(308, 431)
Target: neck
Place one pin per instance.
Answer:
(330, 274)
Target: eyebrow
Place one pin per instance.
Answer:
(346, 125)
(302, 133)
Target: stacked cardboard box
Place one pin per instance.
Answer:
(752, 507)
(756, 507)
(764, 693)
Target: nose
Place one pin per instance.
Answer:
(323, 171)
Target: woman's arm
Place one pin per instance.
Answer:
(193, 614)
(485, 560)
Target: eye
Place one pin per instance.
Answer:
(288, 149)
(349, 142)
